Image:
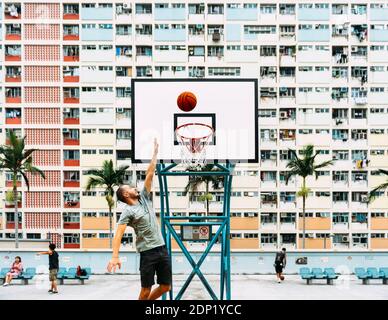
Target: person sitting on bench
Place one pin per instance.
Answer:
(15, 271)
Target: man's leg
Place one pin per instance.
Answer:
(54, 285)
(159, 291)
(164, 274)
(144, 293)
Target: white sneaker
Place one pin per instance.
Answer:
(5, 284)
(279, 281)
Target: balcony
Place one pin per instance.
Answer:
(71, 33)
(242, 14)
(70, 53)
(70, 116)
(13, 116)
(70, 137)
(11, 225)
(170, 35)
(13, 53)
(70, 96)
(12, 11)
(13, 95)
(71, 162)
(71, 199)
(71, 246)
(71, 12)
(13, 32)
(173, 14)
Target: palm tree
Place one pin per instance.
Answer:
(374, 192)
(196, 181)
(17, 160)
(304, 167)
(107, 178)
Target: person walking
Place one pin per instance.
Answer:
(280, 264)
(53, 266)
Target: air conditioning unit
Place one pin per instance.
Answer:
(345, 239)
(354, 49)
(66, 109)
(251, 214)
(364, 198)
(65, 130)
(273, 136)
(149, 72)
(126, 5)
(16, 25)
(283, 115)
(216, 36)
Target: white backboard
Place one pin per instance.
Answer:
(231, 105)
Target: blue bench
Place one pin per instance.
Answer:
(371, 273)
(25, 276)
(71, 274)
(327, 274)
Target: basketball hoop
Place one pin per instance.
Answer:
(193, 139)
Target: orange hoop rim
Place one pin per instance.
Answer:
(194, 124)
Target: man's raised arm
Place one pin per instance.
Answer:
(151, 168)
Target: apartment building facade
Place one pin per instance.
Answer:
(322, 67)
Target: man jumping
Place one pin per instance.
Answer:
(139, 214)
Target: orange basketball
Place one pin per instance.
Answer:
(187, 101)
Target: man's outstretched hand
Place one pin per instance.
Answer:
(113, 264)
(156, 147)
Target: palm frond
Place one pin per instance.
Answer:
(375, 191)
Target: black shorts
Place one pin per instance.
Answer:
(153, 261)
(278, 267)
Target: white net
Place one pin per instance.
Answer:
(193, 139)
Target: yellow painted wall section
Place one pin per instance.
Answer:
(94, 202)
(104, 139)
(378, 139)
(374, 181)
(95, 243)
(379, 224)
(313, 243)
(379, 203)
(244, 181)
(377, 243)
(244, 202)
(315, 223)
(91, 223)
(378, 161)
(244, 243)
(244, 223)
(315, 202)
(95, 160)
